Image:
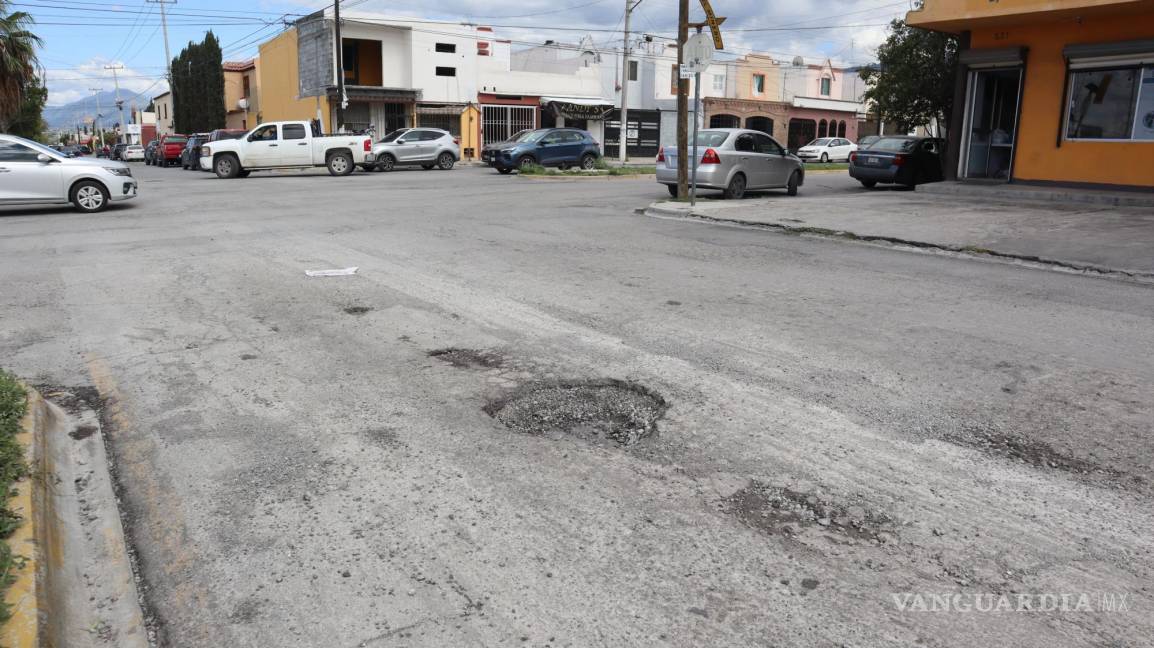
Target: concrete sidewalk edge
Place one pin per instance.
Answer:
(26, 594)
(846, 235)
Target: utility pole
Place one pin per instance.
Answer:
(340, 67)
(119, 102)
(96, 122)
(622, 154)
(682, 102)
(696, 119)
(167, 53)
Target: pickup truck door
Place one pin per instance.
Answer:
(295, 147)
(263, 147)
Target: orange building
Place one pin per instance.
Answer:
(1051, 91)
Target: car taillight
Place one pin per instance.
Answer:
(899, 159)
(660, 155)
(368, 145)
(457, 141)
(710, 157)
(853, 157)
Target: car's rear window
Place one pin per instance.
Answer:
(893, 144)
(175, 140)
(712, 138)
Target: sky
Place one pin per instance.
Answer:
(82, 37)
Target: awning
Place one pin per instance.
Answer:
(993, 57)
(440, 109)
(375, 93)
(1133, 52)
(578, 107)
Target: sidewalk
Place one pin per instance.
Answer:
(1080, 236)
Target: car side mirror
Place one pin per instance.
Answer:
(44, 158)
(401, 141)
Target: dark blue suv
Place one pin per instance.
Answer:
(559, 147)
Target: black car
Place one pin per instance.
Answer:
(118, 150)
(150, 152)
(903, 160)
(190, 156)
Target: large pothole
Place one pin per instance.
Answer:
(469, 358)
(597, 410)
(785, 512)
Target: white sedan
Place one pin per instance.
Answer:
(31, 173)
(133, 152)
(827, 149)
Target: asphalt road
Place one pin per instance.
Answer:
(849, 429)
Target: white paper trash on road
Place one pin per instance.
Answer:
(338, 272)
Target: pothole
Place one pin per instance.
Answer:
(596, 410)
(468, 358)
(1040, 455)
(785, 512)
(357, 310)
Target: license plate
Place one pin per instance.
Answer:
(871, 160)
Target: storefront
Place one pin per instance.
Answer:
(1051, 96)
(503, 116)
(586, 113)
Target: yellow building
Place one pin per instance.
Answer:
(241, 94)
(1051, 91)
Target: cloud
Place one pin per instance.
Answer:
(66, 86)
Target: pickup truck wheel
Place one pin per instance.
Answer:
(446, 161)
(226, 167)
(89, 196)
(341, 163)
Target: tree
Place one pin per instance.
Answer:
(198, 87)
(29, 121)
(18, 63)
(914, 82)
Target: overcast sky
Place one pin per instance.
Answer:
(81, 37)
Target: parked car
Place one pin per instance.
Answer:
(132, 152)
(495, 147)
(559, 147)
(735, 160)
(66, 151)
(31, 173)
(118, 151)
(867, 140)
(827, 149)
(285, 145)
(150, 152)
(83, 149)
(190, 155)
(169, 149)
(426, 147)
(904, 160)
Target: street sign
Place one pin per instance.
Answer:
(714, 23)
(687, 70)
(698, 51)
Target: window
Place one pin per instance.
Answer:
(446, 71)
(245, 83)
(264, 134)
(293, 131)
(766, 145)
(349, 60)
(1102, 104)
(674, 79)
(821, 129)
(552, 138)
(719, 83)
(759, 83)
(745, 144)
(13, 152)
(841, 129)
(632, 70)
(825, 86)
(574, 137)
(715, 138)
(447, 48)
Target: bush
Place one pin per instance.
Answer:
(13, 404)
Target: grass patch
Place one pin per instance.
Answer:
(13, 403)
(600, 169)
(828, 166)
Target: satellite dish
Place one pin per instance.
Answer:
(242, 104)
(798, 61)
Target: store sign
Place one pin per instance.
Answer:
(579, 111)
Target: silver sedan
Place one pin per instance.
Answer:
(424, 147)
(735, 160)
(31, 173)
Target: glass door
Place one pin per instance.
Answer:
(992, 123)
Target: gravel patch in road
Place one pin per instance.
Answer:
(613, 410)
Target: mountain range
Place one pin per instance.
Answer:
(69, 115)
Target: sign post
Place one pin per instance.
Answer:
(698, 55)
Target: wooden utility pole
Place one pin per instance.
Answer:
(682, 102)
(340, 68)
(119, 101)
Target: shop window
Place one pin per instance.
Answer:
(1112, 104)
(447, 48)
(446, 71)
(825, 86)
(719, 83)
(759, 84)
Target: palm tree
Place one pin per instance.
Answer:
(18, 62)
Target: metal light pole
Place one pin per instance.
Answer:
(167, 53)
(696, 120)
(340, 67)
(682, 102)
(622, 153)
(119, 102)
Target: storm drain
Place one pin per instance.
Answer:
(610, 410)
(468, 358)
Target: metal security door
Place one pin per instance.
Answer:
(499, 123)
(643, 133)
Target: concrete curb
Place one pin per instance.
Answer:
(640, 176)
(26, 596)
(845, 235)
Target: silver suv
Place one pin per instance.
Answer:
(31, 173)
(424, 147)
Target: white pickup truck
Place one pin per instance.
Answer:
(284, 145)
